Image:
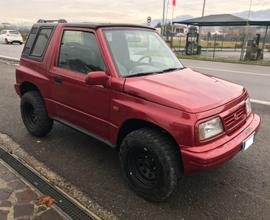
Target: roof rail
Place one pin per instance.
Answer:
(51, 21)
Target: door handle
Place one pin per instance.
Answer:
(58, 80)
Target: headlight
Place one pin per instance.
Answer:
(210, 128)
(248, 106)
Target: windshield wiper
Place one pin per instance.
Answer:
(170, 70)
(141, 74)
(156, 72)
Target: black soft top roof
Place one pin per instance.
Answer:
(92, 25)
(104, 25)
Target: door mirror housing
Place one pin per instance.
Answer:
(96, 78)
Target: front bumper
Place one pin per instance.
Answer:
(198, 158)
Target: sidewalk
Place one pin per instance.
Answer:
(18, 200)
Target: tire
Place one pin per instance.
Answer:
(150, 164)
(6, 41)
(34, 114)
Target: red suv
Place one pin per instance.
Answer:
(124, 86)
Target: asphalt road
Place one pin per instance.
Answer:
(11, 50)
(255, 78)
(239, 189)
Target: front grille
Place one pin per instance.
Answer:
(235, 119)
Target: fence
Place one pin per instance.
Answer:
(218, 48)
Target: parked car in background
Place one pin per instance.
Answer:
(10, 37)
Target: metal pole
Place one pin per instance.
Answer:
(166, 18)
(207, 43)
(246, 34)
(264, 40)
(215, 41)
(203, 10)
(172, 28)
(162, 27)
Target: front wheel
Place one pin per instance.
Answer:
(150, 163)
(34, 114)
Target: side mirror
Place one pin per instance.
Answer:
(97, 78)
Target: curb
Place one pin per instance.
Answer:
(67, 206)
(9, 58)
(58, 182)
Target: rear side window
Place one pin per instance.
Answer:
(41, 42)
(30, 41)
(79, 52)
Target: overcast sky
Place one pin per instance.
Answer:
(126, 11)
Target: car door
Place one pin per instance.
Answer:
(76, 103)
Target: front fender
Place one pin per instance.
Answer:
(179, 124)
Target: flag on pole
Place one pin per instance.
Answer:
(174, 3)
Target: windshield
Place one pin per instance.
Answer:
(139, 52)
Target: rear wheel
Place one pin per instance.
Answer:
(34, 114)
(150, 164)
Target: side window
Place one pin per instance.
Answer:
(30, 41)
(3, 32)
(79, 52)
(41, 42)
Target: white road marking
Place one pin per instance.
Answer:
(260, 102)
(232, 71)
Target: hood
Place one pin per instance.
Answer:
(185, 90)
